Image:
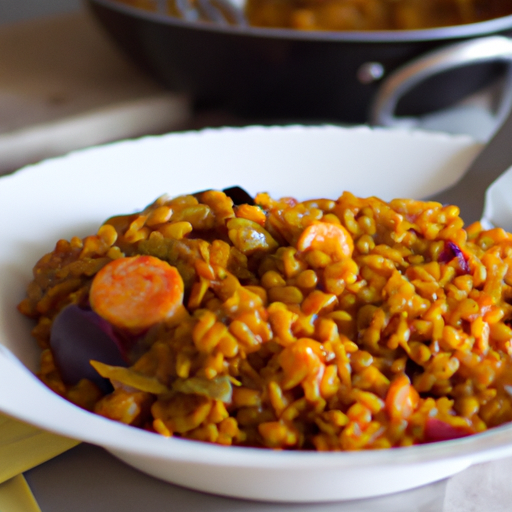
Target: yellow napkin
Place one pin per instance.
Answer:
(16, 496)
(23, 447)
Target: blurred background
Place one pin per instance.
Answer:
(65, 85)
(17, 10)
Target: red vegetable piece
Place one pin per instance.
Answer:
(401, 399)
(439, 430)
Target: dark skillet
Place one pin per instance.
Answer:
(283, 75)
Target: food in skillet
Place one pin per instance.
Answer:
(341, 324)
(372, 14)
(355, 14)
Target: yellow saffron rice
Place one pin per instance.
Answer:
(341, 324)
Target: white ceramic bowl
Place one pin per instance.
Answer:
(74, 194)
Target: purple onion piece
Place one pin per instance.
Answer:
(79, 335)
(452, 250)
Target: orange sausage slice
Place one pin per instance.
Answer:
(332, 239)
(137, 292)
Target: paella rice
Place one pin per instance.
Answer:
(372, 14)
(324, 324)
(341, 15)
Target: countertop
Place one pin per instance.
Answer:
(88, 478)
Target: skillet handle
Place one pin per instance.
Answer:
(405, 78)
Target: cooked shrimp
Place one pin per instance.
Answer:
(332, 239)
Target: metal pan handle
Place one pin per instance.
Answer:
(405, 78)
